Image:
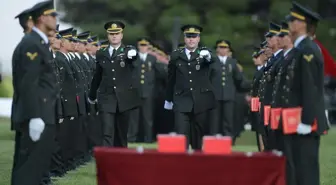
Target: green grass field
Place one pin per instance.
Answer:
(86, 175)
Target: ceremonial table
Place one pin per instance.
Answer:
(149, 167)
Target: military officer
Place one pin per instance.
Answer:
(189, 90)
(145, 77)
(226, 79)
(304, 88)
(37, 124)
(68, 95)
(26, 22)
(266, 86)
(118, 95)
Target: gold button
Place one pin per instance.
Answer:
(191, 89)
(223, 78)
(223, 84)
(142, 81)
(189, 72)
(143, 65)
(112, 69)
(142, 71)
(223, 68)
(188, 64)
(113, 78)
(190, 80)
(142, 76)
(223, 73)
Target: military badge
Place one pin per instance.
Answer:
(31, 56)
(269, 77)
(198, 67)
(122, 64)
(149, 66)
(308, 58)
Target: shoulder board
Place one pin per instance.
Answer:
(129, 46)
(102, 49)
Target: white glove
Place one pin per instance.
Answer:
(36, 127)
(131, 53)
(303, 129)
(205, 54)
(92, 102)
(168, 105)
(60, 120)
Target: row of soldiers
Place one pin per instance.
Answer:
(289, 75)
(51, 64)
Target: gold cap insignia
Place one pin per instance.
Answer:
(113, 26)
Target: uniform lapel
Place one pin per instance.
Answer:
(183, 55)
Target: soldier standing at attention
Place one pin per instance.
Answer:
(226, 80)
(26, 22)
(303, 88)
(189, 90)
(34, 113)
(145, 76)
(117, 94)
(266, 85)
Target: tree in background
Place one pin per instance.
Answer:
(243, 22)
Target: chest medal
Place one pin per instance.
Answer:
(198, 67)
(122, 64)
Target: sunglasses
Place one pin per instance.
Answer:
(143, 44)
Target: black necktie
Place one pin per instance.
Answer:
(114, 52)
(191, 55)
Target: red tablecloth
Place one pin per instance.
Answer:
(127, 167)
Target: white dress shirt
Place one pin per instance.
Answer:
(111, 49)
(187, 52)
(42, 35)
(298, 40)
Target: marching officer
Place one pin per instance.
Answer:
(34, 84)
(189, 90)
(117, 94)
(226, 80)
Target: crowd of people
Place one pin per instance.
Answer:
(73, 92)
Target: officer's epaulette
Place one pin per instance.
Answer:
(129, 46)
(179, 50)
(102, 49)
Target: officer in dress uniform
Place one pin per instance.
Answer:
(303, 77)
(57, 163)
(26, 22)
(36, 125)
(189, 90)
(226, 79)
(94, 125)
(68, 97)
(117, 94)
(266, 86)
(84, 63)
(146, 67)
(79, 124)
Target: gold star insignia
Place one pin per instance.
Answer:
(31, 56)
